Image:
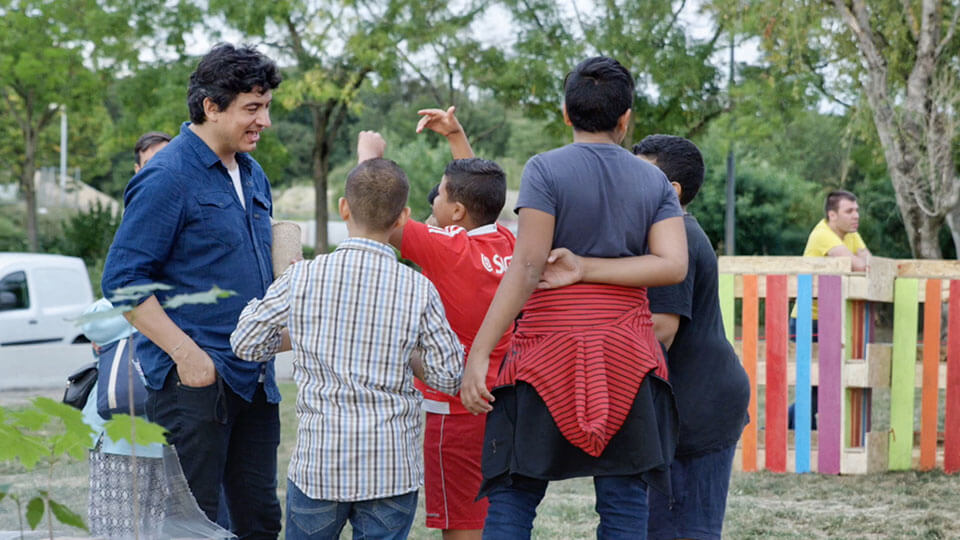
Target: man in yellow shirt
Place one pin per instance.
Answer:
(834, 236)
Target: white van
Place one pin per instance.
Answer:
(39, 294)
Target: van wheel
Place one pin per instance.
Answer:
(81, 339)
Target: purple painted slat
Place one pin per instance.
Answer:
(829, 419)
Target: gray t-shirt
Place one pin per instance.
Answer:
(603, 197)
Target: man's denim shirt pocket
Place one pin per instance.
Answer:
(222, 219)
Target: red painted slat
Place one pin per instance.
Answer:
(776, 399)
(931, 365)
(951, 443)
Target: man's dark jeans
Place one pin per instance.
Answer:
(223, 440)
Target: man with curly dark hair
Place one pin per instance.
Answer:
(198, 215)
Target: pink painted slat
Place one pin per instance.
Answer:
(829, 419)
(751, 323)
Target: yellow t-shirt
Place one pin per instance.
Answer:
(821, 240)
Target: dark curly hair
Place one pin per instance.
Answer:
(226, 71)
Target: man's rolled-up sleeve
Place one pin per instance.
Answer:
(259, 331)
(152, 220)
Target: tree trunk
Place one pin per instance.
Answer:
(905, 134)
(29, 187)
(953, 222)
(321, 166)
(922, 229)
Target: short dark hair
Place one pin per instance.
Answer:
(377, 192)
(226, 71)
(833, 200)
(434, 191)
(678, 158)
(478, 184)
(597, 93)
(147, 141)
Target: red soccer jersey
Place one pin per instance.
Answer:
(466, 268)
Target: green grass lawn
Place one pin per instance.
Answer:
(761, 505)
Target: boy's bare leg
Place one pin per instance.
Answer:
(461, 534)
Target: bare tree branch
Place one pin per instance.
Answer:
(821, 83)
(912, 23)
(948, 38)
(423, 76)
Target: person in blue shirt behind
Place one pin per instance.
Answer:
(198, 215)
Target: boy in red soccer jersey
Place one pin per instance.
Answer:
(465, 257)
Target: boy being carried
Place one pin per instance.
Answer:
(361, 325)
(465, 257)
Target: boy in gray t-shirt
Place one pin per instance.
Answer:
(591, 198)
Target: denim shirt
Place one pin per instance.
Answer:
(183, 226)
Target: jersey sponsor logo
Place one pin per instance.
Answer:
(450, 231)
(485, 261)
(499, 264)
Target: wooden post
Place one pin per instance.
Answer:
(902, 373)
(750, 336)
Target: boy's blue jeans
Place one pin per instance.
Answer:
(621, 504)
(383, 519)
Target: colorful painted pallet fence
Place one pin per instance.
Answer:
(837, 354)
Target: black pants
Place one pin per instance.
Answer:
(222, 439)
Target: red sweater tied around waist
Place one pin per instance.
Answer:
(585, 348)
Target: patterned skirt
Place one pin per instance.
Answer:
(111, 495)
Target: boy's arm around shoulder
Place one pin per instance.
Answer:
(665, 264)
(261, 329)
(441, 354)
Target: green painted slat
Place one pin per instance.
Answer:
(902, 372)
(727, 305)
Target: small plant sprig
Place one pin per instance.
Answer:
(49, 433)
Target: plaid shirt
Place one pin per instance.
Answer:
(355, 316)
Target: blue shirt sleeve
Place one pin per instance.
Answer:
(152, 219)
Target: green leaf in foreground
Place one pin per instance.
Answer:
(30, 419)
(72, 418)
(34, 512)
(14, 444)
(118, 428)
(135, 292)
(67, 516)
(4, 489)
(209, 297)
